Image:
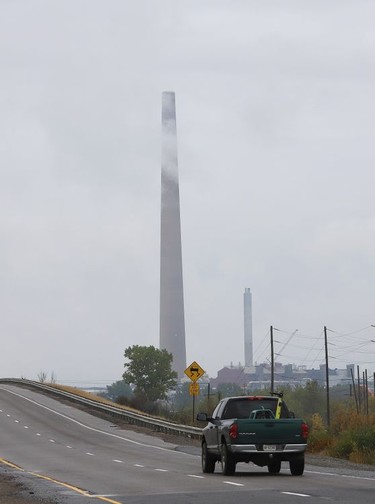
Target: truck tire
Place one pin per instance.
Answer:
(274, 466)
(208, 461)
(297, 465)
(228, 464)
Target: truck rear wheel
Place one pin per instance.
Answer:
(208, 461)
(274, 466)
(228, 464)
(297, 465)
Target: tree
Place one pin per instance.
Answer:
(118, 389)
(307, 400)
(229, 390)
(150, 371)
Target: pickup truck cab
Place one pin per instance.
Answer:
(256, 429)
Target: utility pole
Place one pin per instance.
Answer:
(366, 378)
(354, 390)
(327, 375)
(272, 362)
(359, 391)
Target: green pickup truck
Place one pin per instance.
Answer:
(253, 429)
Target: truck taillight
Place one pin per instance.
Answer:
(304, 430)
(233, 431)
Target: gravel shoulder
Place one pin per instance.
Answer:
(14, 489)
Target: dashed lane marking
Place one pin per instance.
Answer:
(234, 484)
(195, 476)
(161, 470)
(118, 461)
(296, 494)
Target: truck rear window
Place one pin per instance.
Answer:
(241, 408)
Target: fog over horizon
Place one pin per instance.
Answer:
(275, 129)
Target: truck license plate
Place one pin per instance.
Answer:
(269, 447)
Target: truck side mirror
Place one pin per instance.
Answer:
(203, 417)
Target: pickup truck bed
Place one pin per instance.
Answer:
(253, 429)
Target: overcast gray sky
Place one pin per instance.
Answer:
(275, 117)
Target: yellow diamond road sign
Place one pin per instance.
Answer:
(194, 371)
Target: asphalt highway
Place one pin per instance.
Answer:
(74, 457)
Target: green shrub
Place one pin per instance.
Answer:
(319, 439)
(364, 439)
(342, 446)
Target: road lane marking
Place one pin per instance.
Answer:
(38, 434)
(93, 429)
(25, 427)
(195, 476)
(297, 494)
(102, 496)
(68, 446)
(17, 421)
(161, 470)
(52, 441)
(138, 465)
(118, 461)
(10, 464)
(321, 473)
(78, 490)
(234, 484)
(91, 454)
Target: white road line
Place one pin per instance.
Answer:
(25, 427)
(37, 434)
(195, 476)
(234, 484)
(91, 454)
(138, 465)
(52, 441)
(161, 470)
(321, 473)
(297, 494)
(17, 421)
(356, 477)
(8, 416)
(68, 446)
(118, 461)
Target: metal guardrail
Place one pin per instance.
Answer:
(132, 418)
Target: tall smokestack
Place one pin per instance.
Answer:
(172, 318)
(248, 327)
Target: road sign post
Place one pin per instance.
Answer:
(194, 372)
